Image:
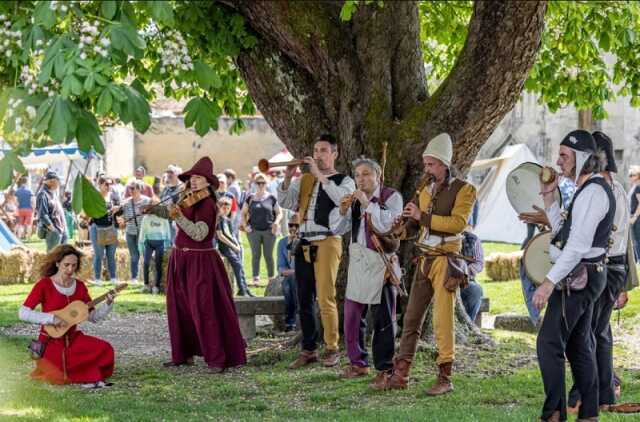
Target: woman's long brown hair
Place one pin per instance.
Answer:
(49, 266)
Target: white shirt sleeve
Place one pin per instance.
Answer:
(98, 314)
(339, 224)
(288, 199)
(554, 214)
(335, 192)
(27, 314)
(589, 208)
(382, 219)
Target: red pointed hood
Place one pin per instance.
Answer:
(204, 168)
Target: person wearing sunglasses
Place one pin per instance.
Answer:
(261, 217)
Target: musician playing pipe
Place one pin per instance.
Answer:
(317, 256)
(75, 357)
(439, 219)
(367, 286)
(200, 309)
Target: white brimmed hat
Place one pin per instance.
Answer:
(441, 148)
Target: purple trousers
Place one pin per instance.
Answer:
(384, 330)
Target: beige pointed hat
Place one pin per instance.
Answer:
(441, 148)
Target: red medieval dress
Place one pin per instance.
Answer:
(75, 357)
(200, 310)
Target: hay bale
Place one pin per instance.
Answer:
(15, 266)
(503, 266)
(86, 270)
(37, 259)
(123, 264)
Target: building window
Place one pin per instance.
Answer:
(618, 153)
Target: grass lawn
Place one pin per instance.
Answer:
(492, 384)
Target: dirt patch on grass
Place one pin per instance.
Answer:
(142, 334)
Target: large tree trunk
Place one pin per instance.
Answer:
(364, 80)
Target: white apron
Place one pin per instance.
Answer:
(366, 275)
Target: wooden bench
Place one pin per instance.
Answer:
(484, 307)
(249, 307)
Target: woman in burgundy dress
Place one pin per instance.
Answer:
(200, 310)
(74, 357)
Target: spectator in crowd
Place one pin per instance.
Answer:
(132, 211)
(528, 287)
(154, 239)
(472, 294)
(51, 222)
(104, 234)
(10, 209)
(172, 184)
(69, 216)
(170, 192)
(234, 188)
(156, 187)
(147, 190)
(261, 217)
(229, 245)
(286, 247)
(25, 209)
(118, 189)
(634, 201)
(223, 192)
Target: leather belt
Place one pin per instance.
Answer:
(195, 249)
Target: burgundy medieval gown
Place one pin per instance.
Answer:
(75, 357)
(200, 310)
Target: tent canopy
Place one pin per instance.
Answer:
(7, 239)
(42, 157)
(283, 155)
(497, 220)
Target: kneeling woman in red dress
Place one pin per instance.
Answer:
(200, 310)
(74, 357)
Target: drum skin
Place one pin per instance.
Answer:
(537, 261)
(523, 188)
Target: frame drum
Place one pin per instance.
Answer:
(537, 262)
(523, 188)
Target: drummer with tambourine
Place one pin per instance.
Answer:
(368, 212)
(620, 258)
(576, 279)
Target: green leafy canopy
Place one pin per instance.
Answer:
(590, 51)
(68, 66)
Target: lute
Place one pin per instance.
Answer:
(77, 312)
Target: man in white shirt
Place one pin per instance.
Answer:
(317, 257)
(616, 277)
(576, 279)
(377, 206)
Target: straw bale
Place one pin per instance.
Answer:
(501, 266)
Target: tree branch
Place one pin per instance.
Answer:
(486, 80)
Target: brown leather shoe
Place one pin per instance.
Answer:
(381, 381)
(355, 371)
(399, 376)
(304, 358)
(443, 384)
(574, 410)
(555, 417)
(330, 358)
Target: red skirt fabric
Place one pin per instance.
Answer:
(87, 359)
(200, 310)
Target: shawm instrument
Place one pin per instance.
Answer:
(77, 312)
